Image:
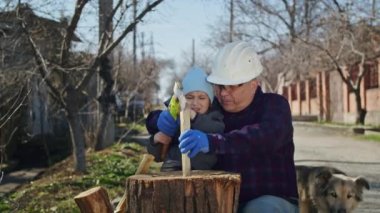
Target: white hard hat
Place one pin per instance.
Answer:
(235, 63)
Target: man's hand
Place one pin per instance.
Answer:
(193, 141)
(161, 138)
(167, 124)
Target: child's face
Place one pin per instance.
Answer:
(198, 101)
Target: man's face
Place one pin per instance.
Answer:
(235, 98)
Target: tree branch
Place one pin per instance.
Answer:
(105, 39)
(42, 68)
(130, 27)
(103, 53)
(13, 109)
(332, 59)
(67, 39)
(271, 12)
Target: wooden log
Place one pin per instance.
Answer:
(203, 191)
(94, 200)
(145, 163)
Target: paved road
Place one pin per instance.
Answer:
(321, 146)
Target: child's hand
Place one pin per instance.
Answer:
(160, 137)
(167, 124)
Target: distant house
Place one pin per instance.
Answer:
(15, 48)
(17, 63)
(326, 96)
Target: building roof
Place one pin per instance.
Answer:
(9, 22)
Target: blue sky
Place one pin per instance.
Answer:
(173, 24)
(176, 23)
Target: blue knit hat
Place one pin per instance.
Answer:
(195, 80)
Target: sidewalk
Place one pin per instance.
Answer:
(341, 129)
(13, 180)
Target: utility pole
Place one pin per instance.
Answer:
(193, 54)
(230, 39)
(134, 45)
(373, 12)
(307, 18)
(152, 52)
(142, 46)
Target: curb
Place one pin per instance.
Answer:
(347, 130)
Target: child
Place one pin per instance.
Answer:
(199, 95)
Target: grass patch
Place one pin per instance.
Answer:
(370, 137)
(132, 128)
(55, 189)
(137, 127)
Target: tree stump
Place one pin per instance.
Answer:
(202, 191)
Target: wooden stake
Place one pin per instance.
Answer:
(144, 164)
(185, 125)
(122, 205)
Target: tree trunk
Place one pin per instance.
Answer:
(106, 101)
(360, 111)
(77, 139)
(101, 133)
(203, 191)
(362, 114)
(105, 73)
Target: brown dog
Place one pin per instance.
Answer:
(328, 190)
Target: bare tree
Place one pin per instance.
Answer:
(274, 26)
(347, 43)
(324, 35)
(142, 80)
(70, 91)
(300, 36)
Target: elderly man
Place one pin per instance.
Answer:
(258, 138)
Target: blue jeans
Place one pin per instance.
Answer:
(268, 203)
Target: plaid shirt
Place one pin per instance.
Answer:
(258, 143)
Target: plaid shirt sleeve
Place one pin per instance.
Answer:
(268, 129)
